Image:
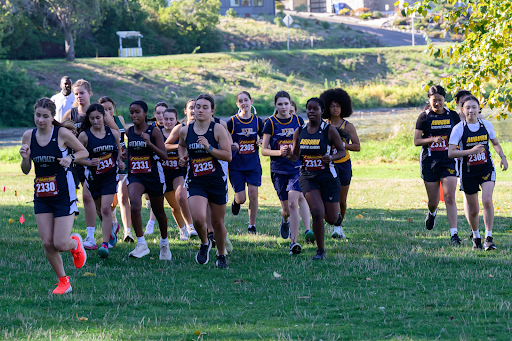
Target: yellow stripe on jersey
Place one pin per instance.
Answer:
(346, 157)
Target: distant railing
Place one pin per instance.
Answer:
(130, 52)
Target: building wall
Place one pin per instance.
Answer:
(251, 7)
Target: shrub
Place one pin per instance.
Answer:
(400, 22)
(278, 21)
(22, 91)
(377, 14)
(365, 16)
(301, 8)
(436, 35)
(326, 25)
(231, 13)
(279, 6)
(305, 23)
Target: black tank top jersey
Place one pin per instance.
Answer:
(216, 120)
(75, 117)
(142, 160)
(171, 164)
(202, 165)
(476, 164)
(106, 150)
(311, 149)
(52, 182)
(433, 124)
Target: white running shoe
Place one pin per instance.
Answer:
(150, 228)
(183, 233)
(128, 238)
(140, 250)
(229, 245)
(192, 233)
(165, 253)
(90, 244)
(338, 232)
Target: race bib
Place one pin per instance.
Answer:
(106, 164)
(281, 143)
(203, 166)
(477, 159)
(247, 146)
(140, 164)
(438, 146)
(46, 186)
(171, 163)
(313, 162)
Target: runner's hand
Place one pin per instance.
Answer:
(65, 161)
(202, 140)
(504, 164)
(259, 142)
(95, 162)
(146, 138)
(182, 162)
(25, 151)
(235, 146)
(327, 159)
(477, 149)
(285, 150)
(437, 139)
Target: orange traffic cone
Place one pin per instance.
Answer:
(441, 190)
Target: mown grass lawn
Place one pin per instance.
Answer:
(391, 279)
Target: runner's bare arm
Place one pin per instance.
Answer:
(497, 147)
(420, 141)
(335, 139)
(294, 154)
(354, 144)
(26, 161)
(266, 150)
(175, 133)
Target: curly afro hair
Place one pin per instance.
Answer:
(339, 96)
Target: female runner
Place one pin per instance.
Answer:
(245, 167)
(122, 188)
(433, 129)
(145, 150)
(206, 142)
(318, 177)
(103, 146)
(55, 193)
(338, 107)
(83, 92)
(472, 136)
(277, 140)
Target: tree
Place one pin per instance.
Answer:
(485, 54)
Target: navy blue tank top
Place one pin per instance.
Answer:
(481, 163)
(104, 149)
(75, 117)
(51, 180)
(245, 133)
(312, 147)
(281, 133)
(171, 164)
(141, 158)
(202, 165)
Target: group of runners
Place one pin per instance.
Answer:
(188, 163)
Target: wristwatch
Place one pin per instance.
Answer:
(210, 149)
(72, 156)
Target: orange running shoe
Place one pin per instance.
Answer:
(63, 287)
(79, 254)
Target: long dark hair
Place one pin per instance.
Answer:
(86, 122)
(48, 104)
(434, 90)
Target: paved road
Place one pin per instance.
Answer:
(387, 37)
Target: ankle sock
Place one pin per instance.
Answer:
(141, 240)
(488, 233)
(476, 234)
(90, 231)
(433, 213)
(164, 241)
(453, 231)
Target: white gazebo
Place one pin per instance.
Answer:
(129, 51)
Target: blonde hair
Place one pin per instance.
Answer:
(84, 83)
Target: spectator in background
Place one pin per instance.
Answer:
(63, 100)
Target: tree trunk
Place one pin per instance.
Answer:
(70, 47)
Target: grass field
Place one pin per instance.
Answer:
(391, 279)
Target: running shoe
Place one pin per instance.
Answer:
(229, 245)
(113, 235)
(90, 243)
(455, 240)
(285, 229)
(310, 236)
(192, 233)
(63, 287)
(202, 255)
(79, 254)
(103, 252)
(165, 253)
(251, 229)
(295, 249)
(128, 238)
(477, 243)
(489, 244)
(320, 254)
(222, 263)
(235, 207)
(430, 221)
(140, 250)
(211, 238)
(183, 233)
(337, 232)
(150, 228)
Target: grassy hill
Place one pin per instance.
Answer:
(375, 77)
